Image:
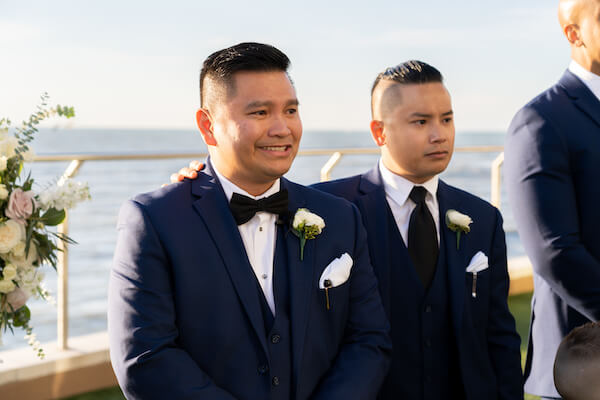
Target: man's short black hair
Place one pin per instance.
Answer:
(409, 72)
(221, 65)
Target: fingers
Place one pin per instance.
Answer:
(196, 165)
(187, 172)
(176, 178)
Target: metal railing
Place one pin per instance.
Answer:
(77, 160)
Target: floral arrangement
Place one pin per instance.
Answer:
(306, 225)
(25, 215)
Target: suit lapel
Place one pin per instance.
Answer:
(213, 207)
(374, 209)
(455, 258)
(301, 275)
(581, 95)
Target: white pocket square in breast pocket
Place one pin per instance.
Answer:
(478, 263)
(337, 272)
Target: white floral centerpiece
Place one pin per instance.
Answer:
(25, 215)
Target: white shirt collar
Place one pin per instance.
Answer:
(591, 80)
(230, 188)
(398, 187)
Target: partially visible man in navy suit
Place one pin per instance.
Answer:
(445, 295)
(552, 161)
(213, 295)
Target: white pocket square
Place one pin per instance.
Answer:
(337, 272)
(478, 263)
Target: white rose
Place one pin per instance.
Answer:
(306, 218)
(3, 162)
(19, 249)
(18, 258)
(6, 286)
(8, 146)
(457, 219)
(29, 279)
(3, 192)
(9, 272)
(11, 233)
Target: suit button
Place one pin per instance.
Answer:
(275, 339)
(275, 381)
(428, 308)
(263, 369)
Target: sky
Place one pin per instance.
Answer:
(135, 64)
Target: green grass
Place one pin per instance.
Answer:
(520, 306)
(105, 394)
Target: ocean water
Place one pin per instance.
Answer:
(92, 224)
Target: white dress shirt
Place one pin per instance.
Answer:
(397, 190)
(259, 236)
(591, 80)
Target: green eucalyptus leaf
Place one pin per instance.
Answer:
(53, 217)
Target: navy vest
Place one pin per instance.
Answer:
(279, 369)
(425, 364)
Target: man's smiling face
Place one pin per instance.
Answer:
(256, 129)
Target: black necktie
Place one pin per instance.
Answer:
(243, 207)
(422, 237)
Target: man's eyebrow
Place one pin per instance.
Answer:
(258, 104)
(422, 115)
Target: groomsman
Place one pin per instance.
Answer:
(218, 290)
(552, 169)
(438, 252)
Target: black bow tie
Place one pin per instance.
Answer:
(243, 207)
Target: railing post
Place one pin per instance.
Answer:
(62, 268)
(332, 162)
(496, 180)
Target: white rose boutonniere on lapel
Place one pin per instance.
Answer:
(458, 223)
(306, 225)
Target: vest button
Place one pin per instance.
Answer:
(263, 369)
(275, 381)
(428, 308)
(275, 339)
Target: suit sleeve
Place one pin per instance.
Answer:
(144, 352)
(502, 338)
(364, 356)
(542, 193)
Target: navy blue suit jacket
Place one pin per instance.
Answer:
(486, 339)
(552, 161)
(184, 318)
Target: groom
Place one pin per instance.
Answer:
(216, 291)
(445, 295)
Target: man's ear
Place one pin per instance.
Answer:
(204, 122)
(571, 31)
(377, 132)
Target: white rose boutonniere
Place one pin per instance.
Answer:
(306, 225)
(458, 223)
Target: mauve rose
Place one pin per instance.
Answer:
(17, 298)
(20, 205)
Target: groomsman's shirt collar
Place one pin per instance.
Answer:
(397, 189)
(591, 80)
(230, 188)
